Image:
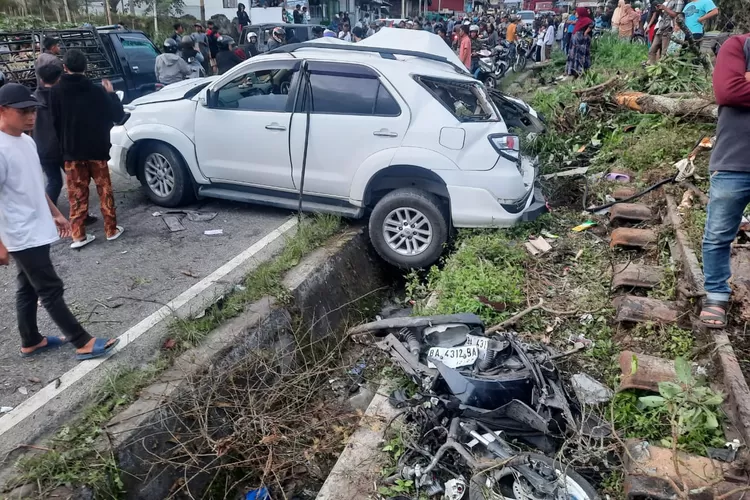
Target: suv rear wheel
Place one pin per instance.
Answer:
(408, 228)
(165, 176)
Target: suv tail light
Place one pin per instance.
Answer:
(507, 145)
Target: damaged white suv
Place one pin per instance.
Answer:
(407, 137)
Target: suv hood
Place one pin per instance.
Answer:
(174, 92)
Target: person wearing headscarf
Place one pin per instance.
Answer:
(629, 21)
(617, 16)
(579, 52)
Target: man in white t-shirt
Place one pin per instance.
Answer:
(29, 223)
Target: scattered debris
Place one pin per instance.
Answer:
(535, 246)
(258, 494)
(156, 214)
(23, 390)
(190, 274)
(567, 173)
(169, 343)
(201, 216)
(213, 232)
(630, 237)
(634, 309)
(636, 276)
(617, 177)
(6, 409)
(586, 225)
(34, 380)
(589, 391)
(173, 223)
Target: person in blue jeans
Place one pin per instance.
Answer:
(697, 13)
(730, 176)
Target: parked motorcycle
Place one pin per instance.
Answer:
(494, 64)
(522, 54)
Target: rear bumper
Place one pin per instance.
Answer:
(537, 208)
(477, 207)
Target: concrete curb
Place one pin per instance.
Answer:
(324, 287)
(734, 380)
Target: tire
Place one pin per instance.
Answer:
(519, 64)
(638, 40)
(578, 487)
(158, 164)
(490, 82)
(401, 252)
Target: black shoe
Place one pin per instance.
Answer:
(91, 219)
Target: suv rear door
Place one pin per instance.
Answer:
(354, 115)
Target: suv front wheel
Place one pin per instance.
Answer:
(408, 228)
(165, 176)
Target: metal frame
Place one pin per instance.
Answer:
(384, 53)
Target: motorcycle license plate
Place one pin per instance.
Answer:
(453, 357)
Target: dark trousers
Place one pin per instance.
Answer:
(37, 279)
(53, 172)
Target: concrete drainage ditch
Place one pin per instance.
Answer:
(240, 390)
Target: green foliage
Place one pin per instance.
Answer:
(686, 408)
(610, 53)
(675, 74)
(400, 487)
(486, 263)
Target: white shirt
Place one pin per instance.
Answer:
(549, 36)
(25, 218)
(345, 36)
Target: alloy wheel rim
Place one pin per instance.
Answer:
(159, 175)
(407, 231)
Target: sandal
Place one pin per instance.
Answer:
(100, 349)
(714, 311)
(52, 343)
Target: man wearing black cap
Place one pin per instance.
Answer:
(29, 224)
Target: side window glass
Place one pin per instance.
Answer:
(351, 95)
(259, 90)
(138, 47)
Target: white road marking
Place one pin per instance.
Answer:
(38, 400)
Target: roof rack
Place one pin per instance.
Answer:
(385, 53)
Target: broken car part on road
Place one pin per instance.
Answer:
(475, 392)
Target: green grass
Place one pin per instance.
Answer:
(486, 263)
(73, 457)
(264, 280)
(609, 53)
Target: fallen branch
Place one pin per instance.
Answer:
(515, 318)
(596, 88)
(659, 104)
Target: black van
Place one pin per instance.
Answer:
(303, 33)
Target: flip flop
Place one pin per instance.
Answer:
(710, 311)
(100, 349)
(52, 343)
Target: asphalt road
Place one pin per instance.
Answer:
(111, 286)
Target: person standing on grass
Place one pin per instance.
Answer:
(629, 21)
(464, 46)
(666, 12)
(549, 38)
(697, 13)
(579, 53)
(83, 113)
(568, 35)
(729, 194)
(29, 224)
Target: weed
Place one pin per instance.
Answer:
(609, 53)
(694, 222)
(686, 408)
(486, 264)
(266, 279)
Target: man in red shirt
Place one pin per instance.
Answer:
(464, 46)
(730, 176)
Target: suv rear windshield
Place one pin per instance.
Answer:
(467, 101)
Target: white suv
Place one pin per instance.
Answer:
(406, 136)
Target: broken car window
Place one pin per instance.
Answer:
(467, 101)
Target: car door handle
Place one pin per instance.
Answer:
(275, 126)
(136, 69)
(384, 132)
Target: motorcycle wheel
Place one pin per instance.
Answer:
(638, 40)
(490, 82)
(501, 483)
(519, 64)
